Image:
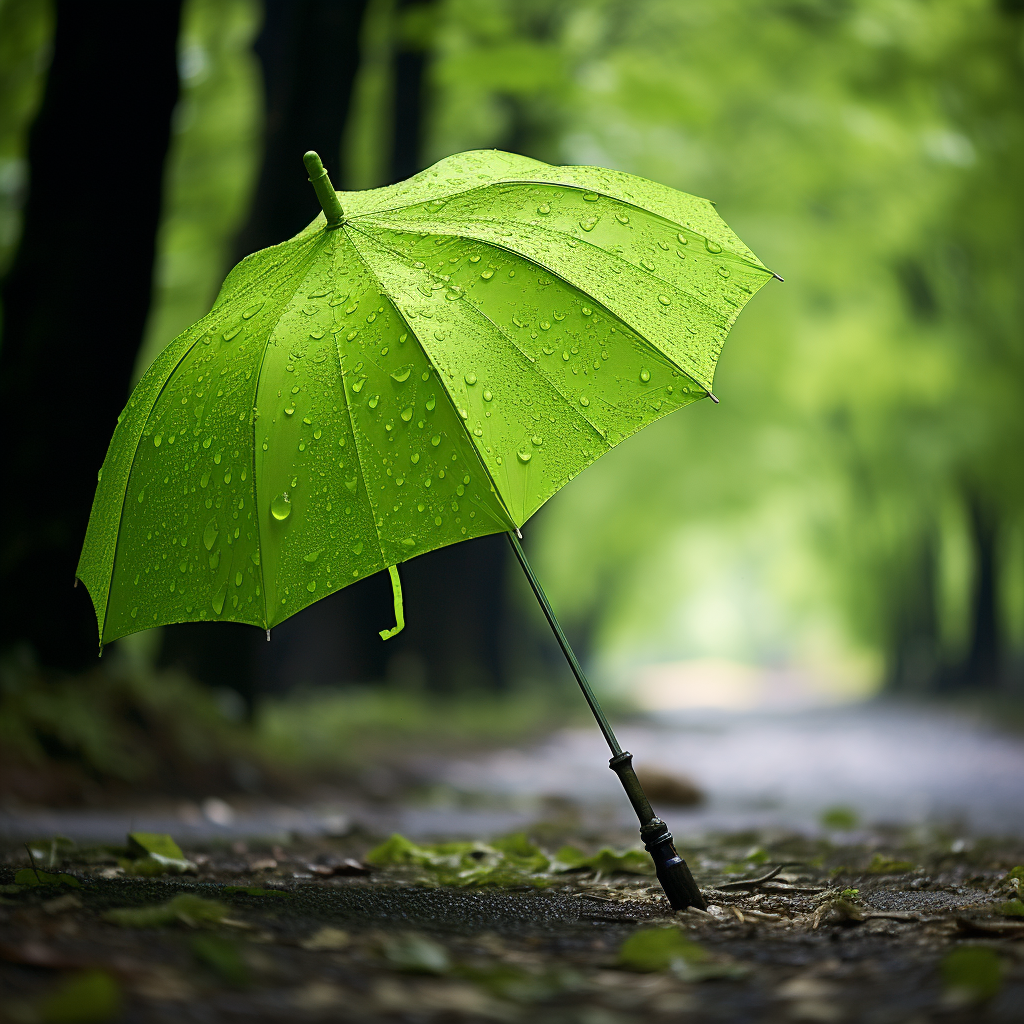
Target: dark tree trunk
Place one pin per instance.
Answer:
(309, 54)
(915, 663)
(984, 658)
(76, 299)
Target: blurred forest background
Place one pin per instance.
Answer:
(853, 508)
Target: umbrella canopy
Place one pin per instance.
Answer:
(423, 364)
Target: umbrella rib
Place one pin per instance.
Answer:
(572, 187)
(554, 387)
(561, 276)
(131, 466)
(444, 387)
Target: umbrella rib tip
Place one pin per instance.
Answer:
(321, 182)
(713, 399)
(778, 277)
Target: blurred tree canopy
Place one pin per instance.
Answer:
(855, 503)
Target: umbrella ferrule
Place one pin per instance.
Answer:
(321, 182)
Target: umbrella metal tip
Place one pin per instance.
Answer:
(713, 399)
(778, 277)
(314, 165)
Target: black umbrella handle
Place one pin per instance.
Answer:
(674, 875)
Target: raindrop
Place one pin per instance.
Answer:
(311, 586)
(215, 560)
(712, 246)
(471, 378)
(402, 374)
(358, 385)
(545, 325)
(588, 223)
(590, 197)
(210, 534)
(584, 401)
(525, 456)
(723, 271)
(487, 395)
(357, 548)
(311, 557)
(218, 598)
(374, 399)
(622, 218)
(435, 440)
(407, 414)
(536, 439)
(431, 403)
(289, 410)
(238, 578)
(645, 375)
(351, 335)
(281, 506)
(415, 458)
(233, 333)
(586, 311)
(682, 239)
(544, 208)
(664, 300)
(318, 433)
(487, 275)
(158, 440)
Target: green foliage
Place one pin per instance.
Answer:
(155, 854)
(882, 865)
(185, 908)
(658, 949)
(416, 954)
(223, 957)
(606, 861)
(973, 972)
(34, 876)
(26, 28)
(89, 997)
(1011, 908)
(840, 818)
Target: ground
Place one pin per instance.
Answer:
(902, 927)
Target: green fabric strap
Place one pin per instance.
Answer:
(396, 590)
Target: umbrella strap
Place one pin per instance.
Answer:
(396, 592)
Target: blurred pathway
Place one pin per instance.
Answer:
(775, 770)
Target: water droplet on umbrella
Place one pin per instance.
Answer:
(357, 386)
(210, 534)
(318, 433)
(645, 375)
(401, 374)
(664, 300)
(586, 311)
(215, 560)
(723, 271)
(142, 496)
(470, 378)
(238, 578)
(487, 275)
(525, 456)
(233, 333)
(487, 395)
(622, 218)
(218, 598)
(544, 208)
(588, 223)
(158, 440)
(374, 399)
(281, 506)
(407, 414)
(312, 556)
(712, 246)
(584, 401)
(357, 548)
(311, 586)
(289, 410)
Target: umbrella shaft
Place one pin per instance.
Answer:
(588, 693)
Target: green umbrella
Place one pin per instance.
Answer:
(425, 363)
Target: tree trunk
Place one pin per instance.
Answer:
(915, 662)
(984, 658)
(76, 299)
(309, 54)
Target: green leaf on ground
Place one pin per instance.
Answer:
(155, 853)
(32, 876)
(974, 972)
(223, 957)
(182, 909)
(1011, 908)
(90, 997)
(656, 949)
(882, 865)
(607, 861)
(416, 954)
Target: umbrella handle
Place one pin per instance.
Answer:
(674, 875)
